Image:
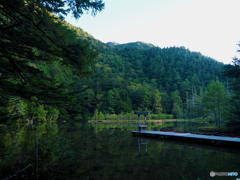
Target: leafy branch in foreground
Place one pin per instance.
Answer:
(31, 33)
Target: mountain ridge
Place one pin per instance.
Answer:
(140, 75)
(137, 44)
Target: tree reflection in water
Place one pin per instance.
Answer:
(109, 151)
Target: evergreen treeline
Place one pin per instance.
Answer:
(234, 100)
(57, 74)
(169, 81)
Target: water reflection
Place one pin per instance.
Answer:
(109, 151)
(145, 142)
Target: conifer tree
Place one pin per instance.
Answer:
(213, 100)
(233, 71)
(31, 33)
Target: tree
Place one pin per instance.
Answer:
(110, 103)
(177, 103)
(233, 71)
(157, 107)
(166, 103)
(95, 116)
(30, 32)
(101, 116)
(213, 99)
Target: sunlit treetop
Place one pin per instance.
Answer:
(31, 33)
(75, 7)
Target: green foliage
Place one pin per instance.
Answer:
(101, 116)
(54, 149)
(11, 105)
(162, 116)
(37, 110)
(110, 102)
(169, 116)
(157, 107)
(130, 77)
(7, 140)
(233, 71)
(125, 80)
(49, 59)
(130, 116)
(139, 45)
(52, 113)
(213, 100)
(95, 116)
(177, 103)
(31, 36)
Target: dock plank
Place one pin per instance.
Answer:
(189, 135)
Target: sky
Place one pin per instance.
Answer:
(211, 27)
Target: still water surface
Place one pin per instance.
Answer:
(109, 151)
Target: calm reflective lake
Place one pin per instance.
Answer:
(109, 151)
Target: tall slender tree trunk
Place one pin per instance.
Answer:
(190, 108)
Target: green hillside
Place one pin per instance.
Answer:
(139, 45)
(139, 75)
(112, 43)
(141, 71)
(136, 76)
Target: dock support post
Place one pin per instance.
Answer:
(138, 122)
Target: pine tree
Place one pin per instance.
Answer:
(31, 33)
(213, 99)
(233, 71)
(156, 107)
(177, 104)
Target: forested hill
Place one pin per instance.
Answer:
(139, 75)
(50, 68)
(112, 43)
(140, 45)
(131, 76)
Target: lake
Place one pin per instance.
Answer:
(109, 151)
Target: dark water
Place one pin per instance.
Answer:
(109, 151)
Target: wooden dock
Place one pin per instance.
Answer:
(187, 136)
(208, 146)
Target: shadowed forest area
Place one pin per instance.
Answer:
(52, 70)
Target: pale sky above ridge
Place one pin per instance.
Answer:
(210, 27)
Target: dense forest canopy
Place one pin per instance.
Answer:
(234, 110)
(139, 45)
(143, 71)
(141, 76)
(31, 34)
(51, 69)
